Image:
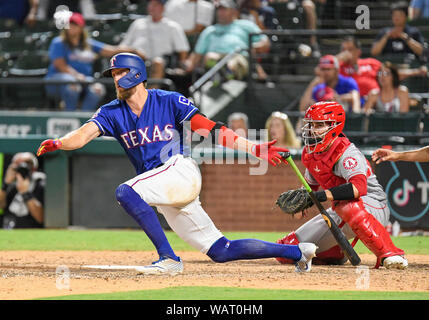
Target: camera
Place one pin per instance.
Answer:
(23, 169)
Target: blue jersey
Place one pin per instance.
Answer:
(155, 136)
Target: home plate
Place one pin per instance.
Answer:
(113, 267)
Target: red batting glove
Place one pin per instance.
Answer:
(49, 146)
(269, 153)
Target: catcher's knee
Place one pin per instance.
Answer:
(218, 252)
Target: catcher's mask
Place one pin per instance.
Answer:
(323, 122)
(129, 61)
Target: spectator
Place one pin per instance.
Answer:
(158, 39)
(259, 13)
(228, 34)
(280, 128)
(418, 9)
(72, 55)
(192, 15)
(239, 123)
(332, 86)
(21, 196)
(401, 39)
(364, 71)
(391, 97)
(20, 11)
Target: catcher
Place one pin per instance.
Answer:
(359, 203)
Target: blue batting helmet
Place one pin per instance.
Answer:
(129, 61)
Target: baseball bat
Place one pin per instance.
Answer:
(336, 231)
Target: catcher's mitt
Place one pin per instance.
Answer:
(294, 201)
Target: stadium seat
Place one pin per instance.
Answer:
(394, 122)
(30, 63)
(416, 84)
(290, 14)
(355, 122)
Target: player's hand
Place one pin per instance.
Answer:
(268, 152)
(49, 146)
(382, 154)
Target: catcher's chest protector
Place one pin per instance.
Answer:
(320, 165)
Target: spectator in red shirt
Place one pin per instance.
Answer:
(364, 71)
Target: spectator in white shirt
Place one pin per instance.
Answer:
(192, 15)
(158, 38)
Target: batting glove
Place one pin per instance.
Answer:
(269, 153)
(49, 146)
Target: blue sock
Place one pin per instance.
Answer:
(146, 217)
(224, 250)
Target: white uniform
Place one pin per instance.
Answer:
(179, 201)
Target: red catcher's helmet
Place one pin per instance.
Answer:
(331, 114)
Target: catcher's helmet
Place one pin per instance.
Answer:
(129, 61)
(329, 113)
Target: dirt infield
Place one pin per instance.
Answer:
(32, 274)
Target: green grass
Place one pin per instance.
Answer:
(136, 240)
(225, 293)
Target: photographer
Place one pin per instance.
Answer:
(21, 195)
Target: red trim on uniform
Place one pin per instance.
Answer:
(373, 206)
(361, 184)
(154, 174)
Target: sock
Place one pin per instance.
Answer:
(146, 217)
(224, 250)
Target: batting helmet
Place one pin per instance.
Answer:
(129, 61)
(332, 117)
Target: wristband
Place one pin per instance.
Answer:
(27, 196)
(343, 192)
(321, 195)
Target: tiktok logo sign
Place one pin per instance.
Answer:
(407, 191)
(401, 196)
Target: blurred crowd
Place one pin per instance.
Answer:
(182, 39)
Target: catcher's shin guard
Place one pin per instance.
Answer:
(289, 239)
(368, 229)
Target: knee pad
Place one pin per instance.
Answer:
(123, 193)
(218, 252)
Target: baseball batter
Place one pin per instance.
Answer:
(359, 204)
(149, 126)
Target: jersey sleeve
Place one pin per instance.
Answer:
(183, 108)
(351, 163)
(97, 46)
(104, 123)
(57, 50)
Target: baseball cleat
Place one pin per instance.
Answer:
(308, 251)
(395, 262)
(164, 265)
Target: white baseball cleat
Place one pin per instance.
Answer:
(164, 265)
(395, 262)
(308, 251)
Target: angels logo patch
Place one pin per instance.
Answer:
(349, 163)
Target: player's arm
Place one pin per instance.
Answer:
(355, 188)
(75, 139)
(418, 155)
(226, 137)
